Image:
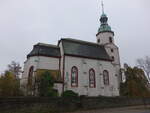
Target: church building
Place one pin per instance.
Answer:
(87, 68)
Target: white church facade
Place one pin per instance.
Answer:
(87, 68)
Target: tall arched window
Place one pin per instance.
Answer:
(30, 75)
(92, 83)
(74, 76)
(106, 77)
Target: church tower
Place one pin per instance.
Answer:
(105, 37)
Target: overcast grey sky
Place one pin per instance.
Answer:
(24, 23)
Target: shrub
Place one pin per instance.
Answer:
(46, 85)
(52, 93)
(69, 93)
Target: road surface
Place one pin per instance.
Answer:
(136, 109)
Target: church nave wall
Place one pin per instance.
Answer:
(84, 65)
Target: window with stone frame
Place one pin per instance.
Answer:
(92, 83)
(74, 76)
(106, 77)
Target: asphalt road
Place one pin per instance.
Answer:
(135, 109)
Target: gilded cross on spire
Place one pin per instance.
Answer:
(102, 7)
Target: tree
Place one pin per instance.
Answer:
(46, 83)
(14, 68)
(144, 63)
(9, 85)
(135, 84)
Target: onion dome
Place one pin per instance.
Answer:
(104, 27)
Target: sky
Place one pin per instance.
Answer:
(24, 23)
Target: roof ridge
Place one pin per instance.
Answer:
(81, 41)
(47, 45)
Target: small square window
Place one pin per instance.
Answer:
(112, 50)
(98, 40)
(113, 58)
(110, 39)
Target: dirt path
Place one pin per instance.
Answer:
(136, 109)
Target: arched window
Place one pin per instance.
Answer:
(30, 75)
(74, 76)
(92, 83)
(106, 77)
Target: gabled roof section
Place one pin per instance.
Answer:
(84, 49)
(42, 49)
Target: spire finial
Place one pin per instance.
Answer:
(102, 7)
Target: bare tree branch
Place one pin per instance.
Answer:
(15, 68)
(144, 63)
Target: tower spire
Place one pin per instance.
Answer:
(102, 7)
(104, 27)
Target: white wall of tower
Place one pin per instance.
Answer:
(104, 38)
(112, 50)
